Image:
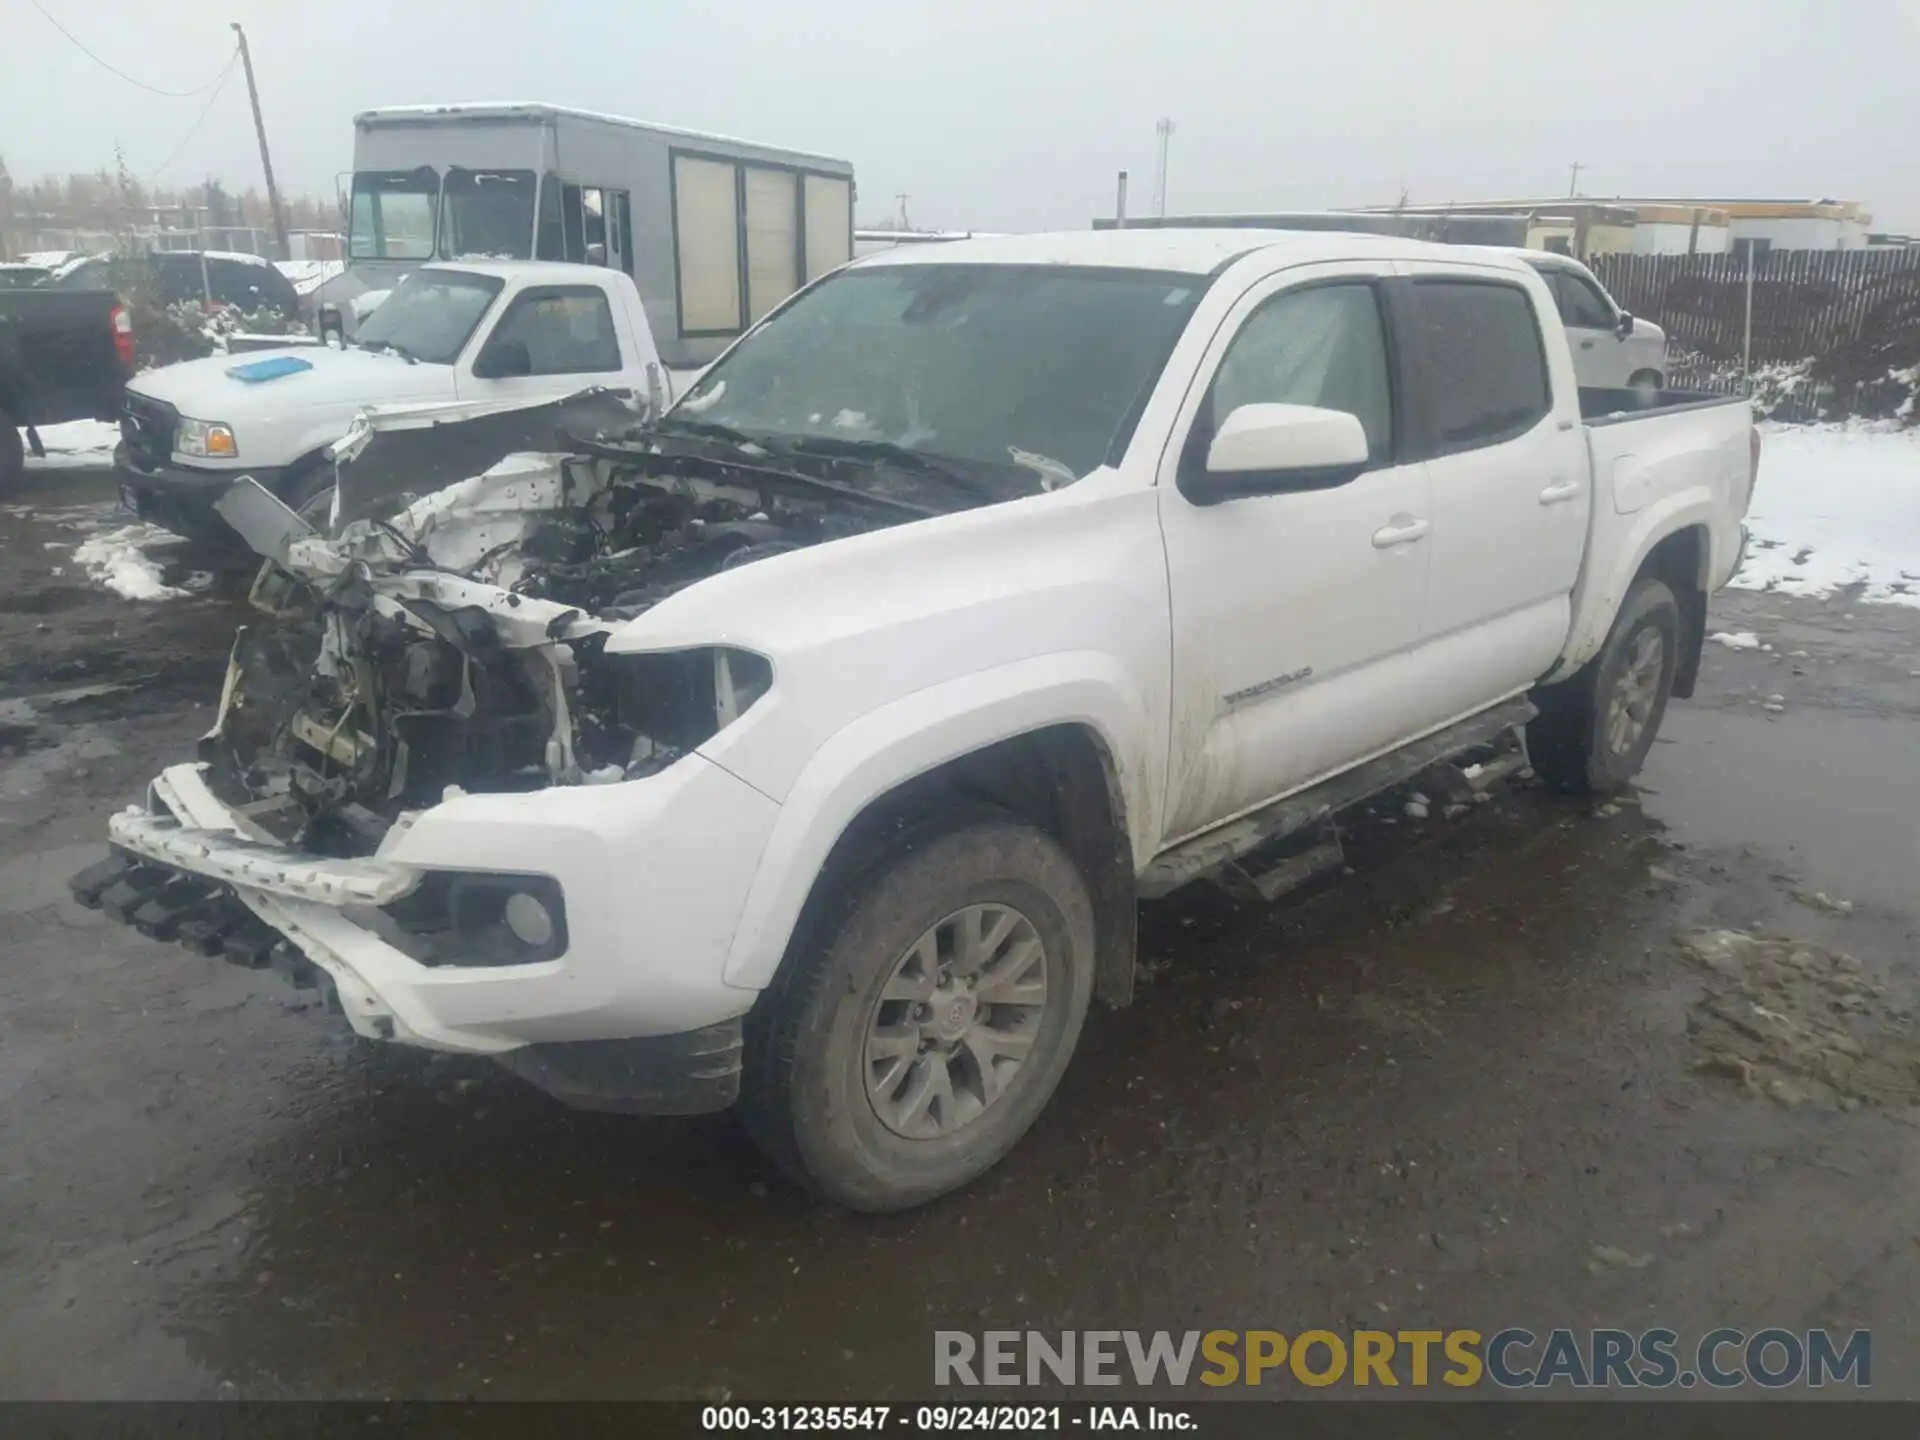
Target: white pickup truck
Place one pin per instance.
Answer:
(1612, 349)
(473, 333)
(810, 747)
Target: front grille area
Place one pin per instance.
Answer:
(148, 426)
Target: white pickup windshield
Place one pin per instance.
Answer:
(1036, 367)
(429, 315)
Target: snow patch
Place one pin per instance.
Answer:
(79, 442)
(1736, 640)
(117, 559)
(240, 256)
(1836, 506)
(308, 276)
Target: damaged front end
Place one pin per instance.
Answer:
(456, 641)
(359, 814)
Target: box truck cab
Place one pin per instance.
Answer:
(714, 232)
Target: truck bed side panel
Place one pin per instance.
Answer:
(1655, 473)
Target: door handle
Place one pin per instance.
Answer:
(1586, 344)
(1560, 490)
(1389, 536)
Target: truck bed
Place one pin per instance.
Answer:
(1663, 461)
(1600, 405)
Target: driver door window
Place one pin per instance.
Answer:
(1582, 306)
(566, 330)
(1320, 346)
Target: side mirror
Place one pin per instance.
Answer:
(1275, 449)
(1623, 327)
(503, 360)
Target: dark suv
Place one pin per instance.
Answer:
(240, 280)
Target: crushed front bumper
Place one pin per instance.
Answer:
(634, 1016)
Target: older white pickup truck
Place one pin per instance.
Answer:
(473, 333)
(810, 747)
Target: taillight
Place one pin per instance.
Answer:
(123, 336)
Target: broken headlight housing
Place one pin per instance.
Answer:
(667, 703)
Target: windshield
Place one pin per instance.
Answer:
(429, 315)
(393, 214)
(1042, 368)
(487, 214)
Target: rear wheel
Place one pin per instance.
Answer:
(1644, 380)
(912, 1045)
(1594, 730)
(13, 452)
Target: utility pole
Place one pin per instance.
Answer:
(1120, 203)
(266, 160)
(903, 197)
(1165, 131)
(1573, 185)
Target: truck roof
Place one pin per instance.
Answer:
(510, 269)
(540, 110)
(1197, 251)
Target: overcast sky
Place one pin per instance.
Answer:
(1015, 114)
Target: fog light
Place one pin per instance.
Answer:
(489, 919)
(529, 920)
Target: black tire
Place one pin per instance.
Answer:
(1575, 740)
(805, 1094)
(308, 491)
(13, 453)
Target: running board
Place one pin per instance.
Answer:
(1209, 852)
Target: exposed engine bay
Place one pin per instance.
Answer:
(457, 639)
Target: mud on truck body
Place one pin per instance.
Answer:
(809, 746)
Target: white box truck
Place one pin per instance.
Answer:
(715, 232)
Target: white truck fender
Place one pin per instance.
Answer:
(916, 734)
(1598, 597)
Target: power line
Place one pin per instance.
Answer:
(219, 84)
(108, 65)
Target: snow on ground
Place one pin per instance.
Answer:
(309, 275)
(81, 442)
(1836, 506)
(118, 560)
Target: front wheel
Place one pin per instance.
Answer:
(1594, 730)
(909, 1048)
(308, 492)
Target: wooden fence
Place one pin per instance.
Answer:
(1854, 314)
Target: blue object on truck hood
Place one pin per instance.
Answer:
(272, 368)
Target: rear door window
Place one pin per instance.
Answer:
(1482, 370)
(250, 287)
